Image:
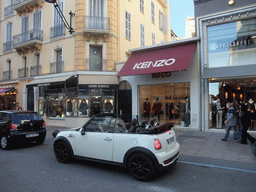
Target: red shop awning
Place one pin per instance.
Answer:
(4, 90)
(161, 60)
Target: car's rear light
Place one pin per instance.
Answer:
(157, 144)
(44, 124)
(13, 127)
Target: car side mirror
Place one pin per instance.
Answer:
(83, 132)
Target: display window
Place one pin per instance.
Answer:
(166, 103)
(235, 91)
(56, 106)
(42, 107)
(108, 104)
(84, 106)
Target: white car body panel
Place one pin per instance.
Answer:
(113, 146)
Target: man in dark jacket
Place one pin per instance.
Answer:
(245, 121)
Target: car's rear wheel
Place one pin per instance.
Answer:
(4, 142)
(141, 167)
(62, 152)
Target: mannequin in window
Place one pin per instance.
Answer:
(146, 109)
(218, 114)
(69, 106)
(157, 108)
(108, 106)
(187, 112)
(83, 107)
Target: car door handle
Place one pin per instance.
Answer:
(108, 139)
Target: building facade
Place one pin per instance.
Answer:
(227, 30)
(66, 77)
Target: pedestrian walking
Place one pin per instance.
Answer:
(230, 122)
(245, 121)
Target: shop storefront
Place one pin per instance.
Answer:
(64, 101)
(165, 83)
(8, 98)
(228, 65)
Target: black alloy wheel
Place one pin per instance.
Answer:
(141, 167)
(62, 152)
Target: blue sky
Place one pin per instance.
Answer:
(179, 11)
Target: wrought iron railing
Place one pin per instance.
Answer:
(22, 72)
(7, 75)
(96, 23)
(16, 2)
(35, 70)
(34, 34)
(8, 10)
(57, 31)
(99, 65)
(57, 67)
(8, 46)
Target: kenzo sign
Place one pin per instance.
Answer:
(158, 63)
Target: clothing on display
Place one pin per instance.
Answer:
(83, 107)
(218, 115)
(108, 106)
(146, 108)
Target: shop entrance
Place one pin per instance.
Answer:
(96, 105)
(125, 101)
(236, 91)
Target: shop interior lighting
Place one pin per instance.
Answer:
(231, 2)
(71, 14)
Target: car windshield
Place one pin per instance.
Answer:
(18, 117)
(108, 124)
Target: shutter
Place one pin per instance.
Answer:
(164, 23)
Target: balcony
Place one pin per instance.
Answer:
(35, 70)
(22, 72)
(163, 3)
(8, 10)
(21, 6)
(57, 67)
(7, 75)
(30, 40)
(57, 31)
(99, 65)
(8, 46)
(99, 26)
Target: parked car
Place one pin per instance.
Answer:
(104, 138)
(17, 127)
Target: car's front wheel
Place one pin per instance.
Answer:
(4, 142)
(62, 152)
(141, 167)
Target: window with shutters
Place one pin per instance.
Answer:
(152, 12)
(127, 25)
(142, 35)
(142, 6)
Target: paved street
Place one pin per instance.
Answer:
(203, 166)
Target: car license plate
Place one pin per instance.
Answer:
(32, 135)
(170, 140)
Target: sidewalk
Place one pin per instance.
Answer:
(208, 144)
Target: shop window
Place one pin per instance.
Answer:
(236, 91)
(166, 102)
(232, 44)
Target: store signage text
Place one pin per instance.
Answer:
(43, 84)
(162, 74)
(158, 63)
(98, 86)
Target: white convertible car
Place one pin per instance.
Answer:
(104, 138)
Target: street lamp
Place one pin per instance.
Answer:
(56, 5)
